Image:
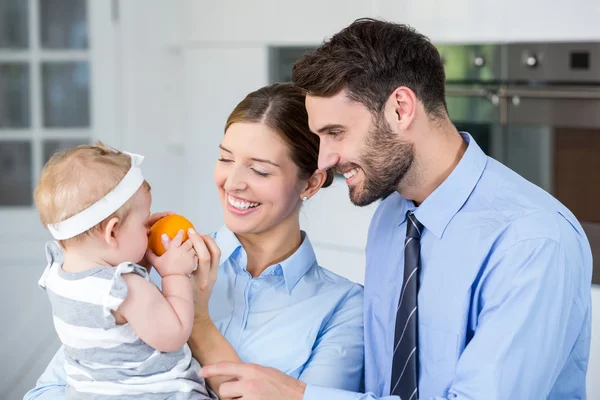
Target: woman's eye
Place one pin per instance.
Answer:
(264, 174)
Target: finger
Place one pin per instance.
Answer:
(151, 257)
(202, 273)
(165, 240)
(226, 369)
(176, 242)
(233, 389)
(187, 245)
(215, 255)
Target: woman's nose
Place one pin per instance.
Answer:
(235, 181)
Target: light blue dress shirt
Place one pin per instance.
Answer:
(504, 302)
(296, 316)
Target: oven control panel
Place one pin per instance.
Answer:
(554, 62)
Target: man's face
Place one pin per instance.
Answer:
(363, 147)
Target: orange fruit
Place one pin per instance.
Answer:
(171, 224)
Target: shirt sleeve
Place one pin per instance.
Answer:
(530, 317)
(337, 358)
(52, 383)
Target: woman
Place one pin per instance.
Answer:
(272, 304)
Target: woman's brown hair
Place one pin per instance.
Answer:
(281, 107)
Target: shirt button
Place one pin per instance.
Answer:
(255, 285)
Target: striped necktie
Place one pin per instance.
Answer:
(405, 362)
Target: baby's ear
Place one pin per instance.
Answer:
(109, 233)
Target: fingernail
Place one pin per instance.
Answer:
(164, 237)
(191, 231)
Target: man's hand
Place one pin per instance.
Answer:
(254, 382)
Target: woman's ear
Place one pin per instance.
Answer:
(313, 184)
(109, 233)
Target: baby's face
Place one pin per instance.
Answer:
(133, 234)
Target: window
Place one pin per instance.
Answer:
(44, 89)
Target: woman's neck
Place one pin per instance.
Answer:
(270, 247)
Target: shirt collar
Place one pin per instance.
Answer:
(298, 264)
(293, 268)
(228, 243)
(440, 206)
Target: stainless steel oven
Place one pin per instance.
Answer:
(533, 106)
(536, 108)
(474, 76)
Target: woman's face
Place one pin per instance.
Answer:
(257, 180)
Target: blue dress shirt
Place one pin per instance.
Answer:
(296, 316)
(504, 302)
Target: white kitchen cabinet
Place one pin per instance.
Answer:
(346, 261)
(542, 20)
(443, 22)
(269, 21)
(216, 80)
(330, 218)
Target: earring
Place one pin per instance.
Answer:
(304, 198)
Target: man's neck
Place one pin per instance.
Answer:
(437, 153)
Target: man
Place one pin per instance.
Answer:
(477, 282)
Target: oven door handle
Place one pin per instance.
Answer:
(553, 94)
(474, 92)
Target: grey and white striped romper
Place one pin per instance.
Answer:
(104, 360)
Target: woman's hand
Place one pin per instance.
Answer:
(205, 276)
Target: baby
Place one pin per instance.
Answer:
(122, 337)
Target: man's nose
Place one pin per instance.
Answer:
(327, 160)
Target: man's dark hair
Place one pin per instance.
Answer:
(370, 59)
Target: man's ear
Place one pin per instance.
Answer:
(401, 107)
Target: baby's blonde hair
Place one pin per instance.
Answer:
(75, 178)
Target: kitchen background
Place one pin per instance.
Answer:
(159, 77)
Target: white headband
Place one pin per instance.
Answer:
(104, 207)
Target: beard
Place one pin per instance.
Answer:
(385, 160)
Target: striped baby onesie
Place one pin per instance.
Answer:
(104, 360)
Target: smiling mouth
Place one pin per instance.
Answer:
(351, 173)
(241, 204)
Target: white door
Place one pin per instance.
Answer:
(58, 88)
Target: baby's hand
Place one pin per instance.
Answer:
(179, 259)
